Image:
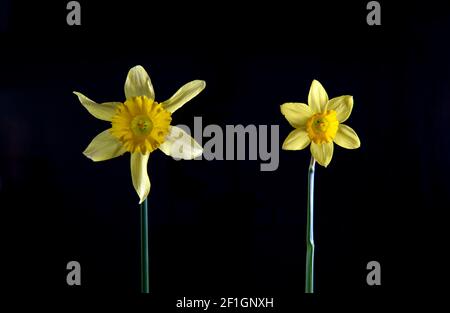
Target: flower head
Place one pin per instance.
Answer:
(141, 125)
(320, 124)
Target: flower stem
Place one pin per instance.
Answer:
(309, 275)
(144, 248)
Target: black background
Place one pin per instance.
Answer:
(223, 228)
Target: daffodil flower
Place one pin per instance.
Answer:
(320, 124)
(140, 125)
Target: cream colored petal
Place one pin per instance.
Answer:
(104, 147)
(139, 175)
(347, 138)
(343, 106)
(104, 111)
(296, 113)
(322, 153)
(138, 83)
(180, 145)
(298, 139)
(317, 97)
(183, 95)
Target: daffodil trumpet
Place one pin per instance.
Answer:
(318, 124)
(140, 125)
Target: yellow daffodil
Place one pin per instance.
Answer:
(320, 123)
(141, 125)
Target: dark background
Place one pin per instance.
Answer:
(223, 228)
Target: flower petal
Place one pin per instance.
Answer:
(138, 83)
(180, 145)
(322, 153)
(296, 113)
(104, 147)
(347, 138)
(104, 111)
(298, 139)
(317, 97)
(343, 106)
(183, 95)
(139, 175)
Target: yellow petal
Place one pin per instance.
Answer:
(298, 139)
(343, 106)
(322, 153)
(138, 83)
(317, 97)
(104, 147)
(296, 113)
(347, 138)
(183, 95)
(139, 175)
(180, 145)
(104, 111)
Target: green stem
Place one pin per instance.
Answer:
(144, 247)
(309, 275)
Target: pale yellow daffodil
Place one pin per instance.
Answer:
(320, 123)
(140, 125)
